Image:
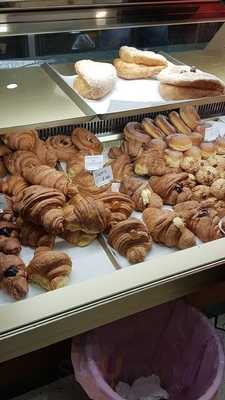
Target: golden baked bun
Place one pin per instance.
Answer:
(196, 138)
(220, 145)
(207, 150)
(151, 129)
(133, 55)
(179, 142)
(127, 70)
(194, 152)
(95, 79)
(178, 123)
(173, 158)
(163, 123)
(190, 116)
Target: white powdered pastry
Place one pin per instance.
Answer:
(144, 57)
(97, 79)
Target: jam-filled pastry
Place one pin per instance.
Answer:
(16, 161)
(217, 189)
(121, 167)
(168, 228)
(140, 193)
(49, 269)
(14, 186)
(78, 238)
(86, 141)
(134, 131)
(150, 163)
(9, 242)
(151, 129)
(21, 140)
(51, 178)
(85, 214)
(172, 188)
(190, 116)
(62, 146)
(207, 174)
(43, 206)
(45, 154)
(131, 239)
(13, 276)
(119, 204)
(200, 192)
(34, 236)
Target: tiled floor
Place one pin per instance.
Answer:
(67, 389)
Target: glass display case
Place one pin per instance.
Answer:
(39, 43)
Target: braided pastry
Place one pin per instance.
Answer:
(49, 177)
(86, 141)
(15, 162)
(151, 162)
(13, 276)
(50, 269)
(14, 186)
(87, 215)
(172, 188)
(62, 146)
(42, 206)
(140, 193)
(168, 228)
(21, 140)
(131, 239)
(34, 236)
(119, 205)
(45, 154)
(121, 167)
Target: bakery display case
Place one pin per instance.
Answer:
(39, 43)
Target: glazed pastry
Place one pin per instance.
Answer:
(220, 145)
(190, 165)
(134, 131)
(49, 269)
(45, 154)
(207, 150)
(200, 192)
(121, 168)
(49, 177)
(178, 123)
(190, 116)
(3, 170)
(13, 186)
(78, 238)
(85, 214)
(133, 55)
(150, 163)
(151, 129)
(15, 162)
(34, 236)
(119, 205)
(95, 79)
(42, 206)
(9, 243)
(193, 152)
(206, 175)
(25, 140)
(140, 193)
(131, 239)
(179, 142)
(172, 188)
(127, 70)
(62, 146)
(173, 158)
(163, 123)
(218, 189)
(196, 138)
(13, 276)
(86, 141)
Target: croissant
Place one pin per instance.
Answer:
(62, 146)
(13, 276)
(76, 165)
(16, 162)
(50, 269)
(140, 193)
(121, 167)
(9, 243)
(150, 163)
(168, 228)
(45, 154)
(85, 214)
(42, 206)
(21, 140)
(13, 186)
(49, 177)
(85, 184)
(119, 205)
(78, 238)
(3, 170)
(86, 141)
(34, 236)
(4, 150)
(172, 188)
(131, 239)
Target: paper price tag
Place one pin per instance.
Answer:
(103, 176)
(93, 163)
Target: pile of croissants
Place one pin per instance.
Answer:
(160, 162)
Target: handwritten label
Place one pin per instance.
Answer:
(103, 176)
(93, 163)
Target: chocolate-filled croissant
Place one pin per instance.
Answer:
(131, 239)
(13, 276)
(172, 188)
(50, 269)
(119, 205)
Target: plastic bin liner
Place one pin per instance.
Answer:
(173, 341)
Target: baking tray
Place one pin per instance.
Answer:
(29, 97)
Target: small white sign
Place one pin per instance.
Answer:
(93, 163)
(103, 176)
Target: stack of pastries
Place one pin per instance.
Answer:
(160, 162)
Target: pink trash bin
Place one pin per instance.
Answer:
(173, 341)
